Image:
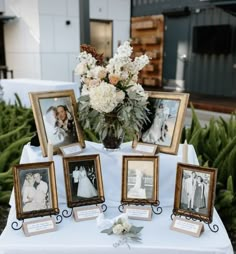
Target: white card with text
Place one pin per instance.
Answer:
(138, 213)
(86, 213)
(40, 226)
(188, 227)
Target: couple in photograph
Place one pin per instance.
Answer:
(59, 125)
(194, 192)
(34, 193)
(85, 187)
(159, 128)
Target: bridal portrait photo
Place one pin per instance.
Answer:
(83, 180)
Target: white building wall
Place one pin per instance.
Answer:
(118, 12)
(38, 43)
(22, 38)
(59, 41)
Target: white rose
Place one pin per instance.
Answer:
(117, 229)
(126, 227)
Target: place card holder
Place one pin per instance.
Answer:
(195, 217)
(39, 226)
(136, 210)
(81, 213)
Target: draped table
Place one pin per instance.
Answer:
(85, 237)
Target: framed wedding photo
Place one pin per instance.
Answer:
(56, 121)
(167, 113)
(140, 176)
(83, 180)
(195, 191)
(35, 190)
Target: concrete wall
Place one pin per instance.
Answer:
(118, 12)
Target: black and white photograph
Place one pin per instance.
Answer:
(83, 180)
(195, 191)
(35, 189)
(166, 117)
(140, 177)
(56, 119)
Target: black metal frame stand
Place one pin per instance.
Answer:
(156, 208)
(194, 217)
(68, 214)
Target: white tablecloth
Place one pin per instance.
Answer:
(23, 86)
(84, 237)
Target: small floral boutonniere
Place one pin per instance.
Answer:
(127, 231)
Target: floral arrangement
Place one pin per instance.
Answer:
(123, 228)
(111, 98)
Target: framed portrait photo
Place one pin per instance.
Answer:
(56, 121)
(166, 115)
(140, 179)
(35, 190)
(195, 191)
(83, 180)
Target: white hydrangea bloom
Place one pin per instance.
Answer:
(103, 98)
(85, 90)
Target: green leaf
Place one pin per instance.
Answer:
(107, 231)
(135, 230)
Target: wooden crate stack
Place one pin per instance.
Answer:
(148, 37)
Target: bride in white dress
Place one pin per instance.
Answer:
(85, 187)
(137, 191)
(154, 133)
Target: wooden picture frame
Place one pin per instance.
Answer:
(195, 191)
(167, 113)
(140, 177)
(55, 115)
(83, 180)
(35, 190)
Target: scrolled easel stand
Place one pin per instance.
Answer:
(15, 224)
(68, 214)
(156, 208)
(188, 216)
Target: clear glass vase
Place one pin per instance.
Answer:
(112, 140)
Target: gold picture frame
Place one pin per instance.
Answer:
(140, 177)
(35, 190)
(195, 191)
(166, 115)
(83, 180)
(55, 114)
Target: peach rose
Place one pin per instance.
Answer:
(114, 79)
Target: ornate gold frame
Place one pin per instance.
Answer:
(17, 189)
(211, 194)
(89, 201)
(126, 159)
(183, 98)
(34, 98)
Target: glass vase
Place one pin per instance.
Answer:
(112, 141)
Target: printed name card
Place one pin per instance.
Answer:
(71, 149)
(146, 148)
(138, 213)
(37, 227)
(86, 213)
(188, 227)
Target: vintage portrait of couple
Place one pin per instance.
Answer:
(35, 191)
(59, 121)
